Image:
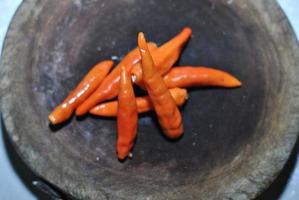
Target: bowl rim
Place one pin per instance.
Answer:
(269, 175)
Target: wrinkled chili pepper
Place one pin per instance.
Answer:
(127, 116)
(199, 76)
(144, 104)
(109, 87)
(167, 111)
(165, 56)
(86, 87)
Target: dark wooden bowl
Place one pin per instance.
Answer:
(236, 141)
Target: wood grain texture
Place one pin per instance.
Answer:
(235, 141)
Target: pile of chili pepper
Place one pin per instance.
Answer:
(151, 68)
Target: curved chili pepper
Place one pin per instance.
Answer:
(86, 87)
(199, 76)
(127, 116)
(167, 111)
(165, 56)
(144, 104)
(109, 87)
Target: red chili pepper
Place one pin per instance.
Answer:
(109, 87)
(168, 113)
(127, 116)
(144, 104)
(165, 56)
(86, 87)
(199, 76)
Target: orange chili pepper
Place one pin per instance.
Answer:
(144, 104)
(168, 113)
(165, 56)
(87, 86)
(199, 76)
(109, 87)
(127, 116)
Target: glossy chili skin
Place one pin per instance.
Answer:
(110, 86)
(127, 116)
(168, 114)
(165, 56)
(83, 90)
(144, 104)
(188, 76)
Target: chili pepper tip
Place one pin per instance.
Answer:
(188, 29)
(52, 119)
(142, 41)
(233, 82)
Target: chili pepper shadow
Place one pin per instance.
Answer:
(81, 118)
(210, 88)
(127, 158)
(138, 91)
(101, 118)
(57, 127)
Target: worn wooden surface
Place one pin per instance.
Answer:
(235, 142)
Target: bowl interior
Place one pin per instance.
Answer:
(217, 122)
